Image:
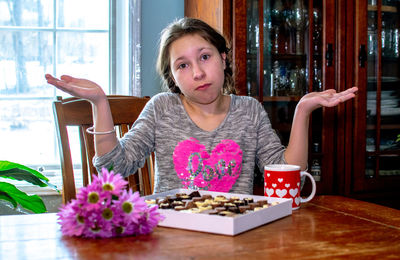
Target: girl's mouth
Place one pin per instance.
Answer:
(202, 87)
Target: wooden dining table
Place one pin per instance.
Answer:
(328, 227)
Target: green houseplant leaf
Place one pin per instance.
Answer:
(10, 193)
(19, 172)
(5, 196)
(31, 202)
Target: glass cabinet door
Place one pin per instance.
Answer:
(381, 162)
(284, 62)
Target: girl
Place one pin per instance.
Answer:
(203, 136)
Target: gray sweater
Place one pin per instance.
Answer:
(189, 157)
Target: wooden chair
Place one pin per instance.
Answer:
(78, 112)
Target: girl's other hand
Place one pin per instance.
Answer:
(327, 98)
(76, 87)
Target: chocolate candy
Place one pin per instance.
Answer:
(177, 203)
(253, 205)
(232, 199)
(239, 203)
(212, 212)
(165, 206)
(194, 194)
(190, 204)
(185, 197)
(150, 202)
(179, 208)
(206, 196)
(220, 198)
(243, 209)
(207, 204)
(233, 209)
(216, 204)
(227, 205)
(226, 213)
(219, 209)
(262, 202)
(195, 199)
(248, 200)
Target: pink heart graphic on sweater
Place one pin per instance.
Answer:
(198, 169)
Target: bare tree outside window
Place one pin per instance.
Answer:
(38, 37)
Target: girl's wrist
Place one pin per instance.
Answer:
(99, 102)
(303, 110)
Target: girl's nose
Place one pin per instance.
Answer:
(198, 72)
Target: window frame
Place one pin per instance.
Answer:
(120, 60)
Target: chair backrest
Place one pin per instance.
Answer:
(78, 112)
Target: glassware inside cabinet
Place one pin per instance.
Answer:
(383, 91)
(252, 48)
(284, 62)
(288, 56)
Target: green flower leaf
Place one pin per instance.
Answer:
(30, 202)
(111, 167)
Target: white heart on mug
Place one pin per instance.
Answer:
(287, 185)
(293, 192)
(298, 184)
(280, 192)
(297, 200)
(274, 185)
(280, 179)
(269, 192)
(268, 174)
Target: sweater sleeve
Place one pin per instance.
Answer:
(134, 147)
(269, 147)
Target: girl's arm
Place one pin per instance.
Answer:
(297, 149)
(102, 117)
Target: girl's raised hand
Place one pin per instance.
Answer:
(76, 87)
(327, 98)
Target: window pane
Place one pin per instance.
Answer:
(35, 13)
(30, 46)
(27, 132)
(84, 55)
(87, 14)
(24, 58)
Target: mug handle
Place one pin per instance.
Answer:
(314, 187)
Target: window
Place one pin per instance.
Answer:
(81, 38)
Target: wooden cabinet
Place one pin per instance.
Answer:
(285, 48)
(373, 171)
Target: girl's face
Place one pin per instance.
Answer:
(197, 68)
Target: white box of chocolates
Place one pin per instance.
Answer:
(217, 212)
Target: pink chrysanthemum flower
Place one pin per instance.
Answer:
(98, 225)
(92, 197)
(148, 220)
(130, 205)
(105, 208)
(124, 227)
(71, 219)
(110, 182)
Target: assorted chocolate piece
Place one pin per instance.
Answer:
(207, 204)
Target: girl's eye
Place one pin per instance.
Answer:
(205, 57)
(182, 66)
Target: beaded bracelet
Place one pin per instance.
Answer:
(90, 131)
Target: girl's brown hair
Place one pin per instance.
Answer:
(184, 27)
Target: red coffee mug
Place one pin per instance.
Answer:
(283, 181)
